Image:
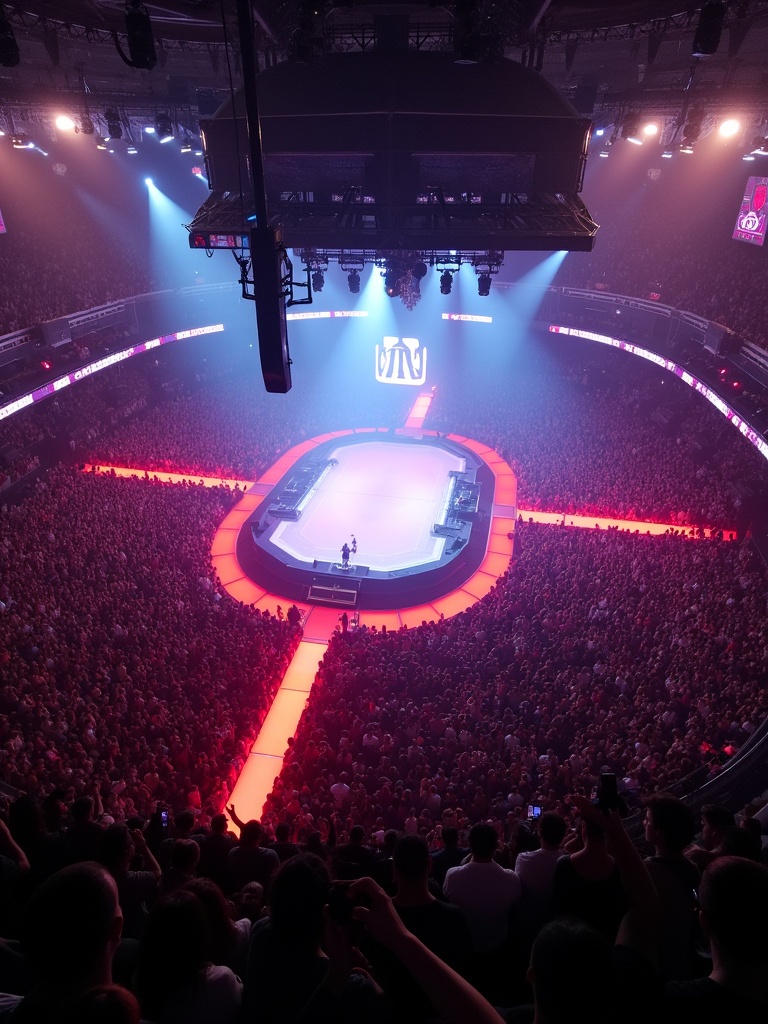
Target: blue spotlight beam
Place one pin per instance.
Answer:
(170, 262)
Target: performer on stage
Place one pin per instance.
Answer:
(354, 544)
(345, 556)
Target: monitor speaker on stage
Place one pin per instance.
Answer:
(715, 339)
(53, 333)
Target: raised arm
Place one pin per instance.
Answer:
(11, 849)
(639, 928)
(454, 999)
(233, 816)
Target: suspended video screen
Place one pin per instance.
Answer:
(751, 222)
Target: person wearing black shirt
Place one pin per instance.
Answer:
(449, 857)
(733, 896)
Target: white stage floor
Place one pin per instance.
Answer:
(388, 494)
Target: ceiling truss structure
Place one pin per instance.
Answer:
(567, 42)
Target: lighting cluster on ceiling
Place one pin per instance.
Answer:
(402, 273)
(111, 127)
(637, 132)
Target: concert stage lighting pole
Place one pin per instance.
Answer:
(268, 257)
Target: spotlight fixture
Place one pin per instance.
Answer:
(729, 128)
(147, 181)
(392, 283)
(687, 150)
(21, 142)
(667, 154)
(599, 132)
(604, 154)
(101, 142)
(131, 149)
(318, 280)
(163, 127)
(149, 129)
(484, 284)
(749, 157)
(650, 129)
(630, 130)
(186, 147)
(114, 124)
(65, 123)
(446, 282)
(86, 125)
(353, 280)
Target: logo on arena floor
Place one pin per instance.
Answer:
(401, 361)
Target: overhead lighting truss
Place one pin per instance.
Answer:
(539, 222)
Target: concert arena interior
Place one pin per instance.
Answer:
(383, 512)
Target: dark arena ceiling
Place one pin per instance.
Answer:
(636, 51)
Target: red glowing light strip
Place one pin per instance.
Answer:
(744, 428)
(583, 521)
(170, 478)
(319, 621)
(418, 413)
(590, 522)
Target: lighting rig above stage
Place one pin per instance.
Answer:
(394, 156)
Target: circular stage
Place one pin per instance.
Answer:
(427, 519)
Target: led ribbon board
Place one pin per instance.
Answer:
(722, 407)
(326, 314)
(468, 318)
(46, 390)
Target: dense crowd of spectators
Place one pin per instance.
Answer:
(83, 409)
(19, 467)
(575, 427)
(596, 647)
(229, 429)
(47, 280)
(123, 667)
(218, 431)
(132, 688)
(581, 439)
(173, 921)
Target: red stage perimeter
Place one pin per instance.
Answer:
(320, 621)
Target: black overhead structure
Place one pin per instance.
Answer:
(409, 151)
(266, 257)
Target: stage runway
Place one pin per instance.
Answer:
(388, 494)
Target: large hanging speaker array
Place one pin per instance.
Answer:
(709, 30)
